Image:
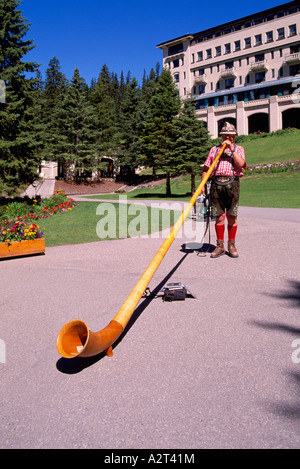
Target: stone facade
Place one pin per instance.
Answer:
(246, 72)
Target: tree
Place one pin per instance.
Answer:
(54, 92)
(102, 97)
(78, 142)
(19, 155)
(192, 142)
(158, 133)
(128, 125)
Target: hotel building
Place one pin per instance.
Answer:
(246, 71)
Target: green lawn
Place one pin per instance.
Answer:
(91, 221)
(273, 149)
(280, 190)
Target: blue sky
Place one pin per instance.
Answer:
(121, 34)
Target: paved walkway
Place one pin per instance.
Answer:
(217, 371)
(44, 189)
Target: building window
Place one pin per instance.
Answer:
(258, 40)
(201, 89)
(208, 54)
(247, 42)
(294, 70)
(229, 83)
(193, 58)
(269, 36)
(293, 30)
(237, 45)
(176, 63)
(200, 56)
(228, 65)
(280, 33)
(177, 49)
(227, 48)
(176, 77)
(218, 51)
(259, 57)
(259, 77)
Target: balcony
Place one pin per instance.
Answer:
(228, 73)
(260, 66)
(292, 59)
(201, 80)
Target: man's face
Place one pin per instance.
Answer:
(228, 137)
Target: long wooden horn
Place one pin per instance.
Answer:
(76, 339)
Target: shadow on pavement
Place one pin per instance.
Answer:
(77, 364)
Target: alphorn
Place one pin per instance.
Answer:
(75, 338)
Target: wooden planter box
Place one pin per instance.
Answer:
(22, 248)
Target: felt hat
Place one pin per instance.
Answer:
(228, 129)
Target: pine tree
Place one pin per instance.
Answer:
(158, 134)
(128, 125)
(19, 155)
(54, 92)
(192, 142)
(78, 143)
(103, 99)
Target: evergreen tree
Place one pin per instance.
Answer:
(128, 125)
(191, 145)
(54, 91)
(78, 145)
(19, 156)
(103, 99)
(158, 133)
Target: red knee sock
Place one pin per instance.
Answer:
(220, 229)
(231, 232)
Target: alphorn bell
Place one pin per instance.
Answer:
(75, 338)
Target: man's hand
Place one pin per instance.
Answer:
(229, 144)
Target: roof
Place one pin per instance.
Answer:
(231, 23)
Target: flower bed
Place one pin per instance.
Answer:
(20, 238)
(34, 209)
(19, 231)
(19, 234)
